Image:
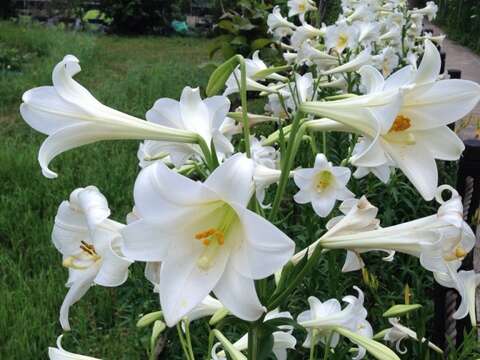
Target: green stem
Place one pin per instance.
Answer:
(182, 342)
(206, 152)
(189, 340)
(327, 347)
(243, 99)
(294, 140)
(252, 341)
(313, 345)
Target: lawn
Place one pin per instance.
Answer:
(129, 74)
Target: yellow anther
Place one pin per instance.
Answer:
(301, 8)
(460, 252)
(204, 234)
(401, 123)
(206, 242)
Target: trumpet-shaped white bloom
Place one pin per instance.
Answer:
(282, 339)
(59, 353)
(322, 185)
(340, 37)
(192, 114)
(440, 241)
(359, 215)
(264, 177)
(386, 61)
(381, 171)
(205, 237)
(72, 117)
(300, 7)
(466, 283)
(275, 21)
(354, 64)
(418, 134)
(322, 319)
(430, 11)
(90, 244)
(398, 332)
(303, 33)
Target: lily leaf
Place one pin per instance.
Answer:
(220, 75)
(377, 350)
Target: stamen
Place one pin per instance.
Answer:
(342, 41)
(401, 123)
(460, 252)
(323, 180)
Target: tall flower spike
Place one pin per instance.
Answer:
(72, 117)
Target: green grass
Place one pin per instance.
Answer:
(129, 74)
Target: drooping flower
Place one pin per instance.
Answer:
(440, 241)
(466, 283)
(323, 319)
(418, 134)
(59, 353)
(322, 185)
(205, 237)
(354, 64)
(398, 332)
(282, 339)
(192, 114)
(72, 117)
(90, 244)
(430, 10)
(276, 21)
(303, 33)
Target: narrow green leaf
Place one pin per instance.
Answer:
(220, 75)
(260, 43)
(377, 350)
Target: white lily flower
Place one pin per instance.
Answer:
(399, 332)
(466, 283)
(275, 20)
(90, 244)
(303, 90)
(252, 85)
(369, 32)
(150, 151)
(322, 185)
(430, 11)
(205, 237)
(363, 12)
(419, 134)
(264, 177)
(382, 171)
(264, 155)
(254, 65)
(72, 117)
(356, 63)
(282, 340)
(59, 353)
(359, 215)
(393, 34)
(300, 7)
(322, 319)
(309, 53)
(191, 113)
(340, 37)
(440, 241)
(386, 61)
(303, 33)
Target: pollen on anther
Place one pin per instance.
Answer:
(206, 242)
(401, 123)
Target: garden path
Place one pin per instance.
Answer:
(464, 59)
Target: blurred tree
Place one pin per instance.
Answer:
(7, 9)
(139, 16)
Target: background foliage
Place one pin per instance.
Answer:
(461, 20)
